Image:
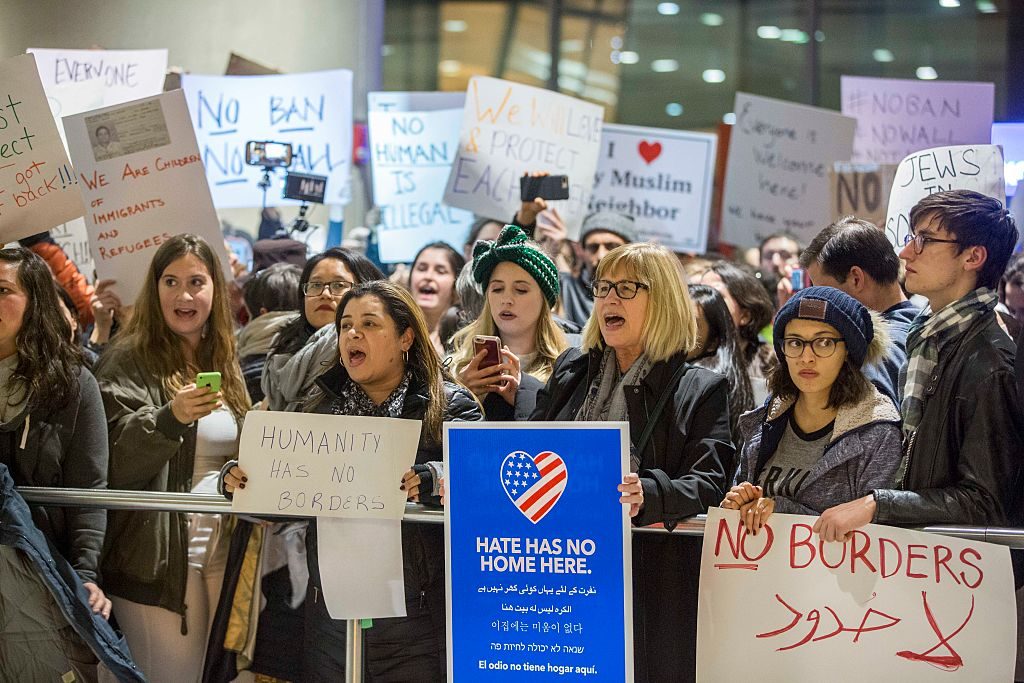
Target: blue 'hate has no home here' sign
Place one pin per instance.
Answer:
(538, 552)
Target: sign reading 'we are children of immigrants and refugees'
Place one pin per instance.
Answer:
(538, 550)
(509, 129)
(889, 604)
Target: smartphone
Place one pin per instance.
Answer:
(268, 154)
(797, 279)
(209, 379)
(545, 187)
(492, 345)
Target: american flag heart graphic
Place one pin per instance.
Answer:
(533, 484)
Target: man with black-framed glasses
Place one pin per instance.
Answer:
(962, 422)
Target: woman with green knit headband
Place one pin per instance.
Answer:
(520, 286)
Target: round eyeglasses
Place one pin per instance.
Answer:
(337, 287)
(822, 347)
(920, 241)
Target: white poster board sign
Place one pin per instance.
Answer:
(896, 117)
(889, 604)
(312, 111)
(325, 465)
(963, 167)
(141, 175)
(414, 101)
(509, 129)
(777, 177)
(663, 178)
(79, 80)
(411, 152)
(37, 185)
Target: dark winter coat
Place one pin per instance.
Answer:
(683, 471)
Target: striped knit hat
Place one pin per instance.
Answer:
(512, 245)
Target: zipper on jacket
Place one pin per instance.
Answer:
(910, 452)
(423, 599)
(316, 595)
(184, 621)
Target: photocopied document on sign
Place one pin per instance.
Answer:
(361, 567)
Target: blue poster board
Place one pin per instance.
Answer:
(539, 581)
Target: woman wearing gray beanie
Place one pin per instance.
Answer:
(827, 435)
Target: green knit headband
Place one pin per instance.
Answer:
(512, 245)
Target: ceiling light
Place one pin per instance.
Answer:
(450, 67)
(664, 66)
(455, 26)
(949, 3)
(674, 109)
(883, 55)
(729, 118)
(668, 9)
(711, 19)
(986, 6)
(794, 35)
(769, 32)
(713, 75)
(628, 57)
(926, 73)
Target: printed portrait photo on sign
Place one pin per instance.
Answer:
(127, 130)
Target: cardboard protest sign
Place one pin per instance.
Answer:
(663, 178)
(312, 111)
(539, 561)
(325, 465)
(509, 129)
(777, 177)
(861, 190)
(964, 167)
(38, 189)
(889, 604)
(141, 175)
(80, 80)
(411, 153)
(896, 117)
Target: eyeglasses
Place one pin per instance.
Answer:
(338, 287)
(625, 289)
(594, 247)
(822, 347)
(920, 240)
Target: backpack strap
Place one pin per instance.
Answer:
(659, 408)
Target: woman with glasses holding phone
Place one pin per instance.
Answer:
(827, 435)
(633, 368)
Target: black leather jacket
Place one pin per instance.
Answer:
(964, 462)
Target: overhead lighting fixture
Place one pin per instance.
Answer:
(769, 32)
(628, 57)
(819, 36)
(674, 109)
(883, 55)
(450, 67)
(616, 42)
(387, 50)
(664, 66)
(986, 6)
(729, 118)
(572, 45)
(713, 75)
(668, 9)
(712, 19)
(455, 26)
(949, 3)
(926, 73)
(794, 35)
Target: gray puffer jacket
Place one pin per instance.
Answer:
(862, 454)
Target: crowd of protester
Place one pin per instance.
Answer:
(883, 391)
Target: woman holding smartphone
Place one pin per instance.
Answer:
(506, 354)
(163, 569)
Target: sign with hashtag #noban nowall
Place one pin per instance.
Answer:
(888, 604)
(538, 551)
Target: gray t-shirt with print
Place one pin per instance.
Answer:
(797, 454)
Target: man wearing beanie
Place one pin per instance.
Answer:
(601, 232)
(963, 430)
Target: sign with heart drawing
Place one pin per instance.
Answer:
(662, 178)
(538, 551)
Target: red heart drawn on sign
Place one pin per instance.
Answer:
(649, 150)
(533, 483)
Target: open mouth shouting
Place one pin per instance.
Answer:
(356, 357)
(613, 322)
(185, 314)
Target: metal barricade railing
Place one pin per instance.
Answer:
(196, 502)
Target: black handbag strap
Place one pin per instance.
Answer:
(659, 408)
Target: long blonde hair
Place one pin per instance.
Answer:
(160, 351)
(548, 339)
(671, 324)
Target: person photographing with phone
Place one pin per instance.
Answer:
(173, 394)
(507, 353)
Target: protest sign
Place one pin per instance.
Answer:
(140, 173)
(38, 189)
(538, 550)
(777, 177)
(889, 604)
(663, 178)
(964, 167)
(1010, 136)
(861, 190)
(325, 465)
(509, 129)
(312, 111)
(411, 154)
(415, 101)
(896, 117)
